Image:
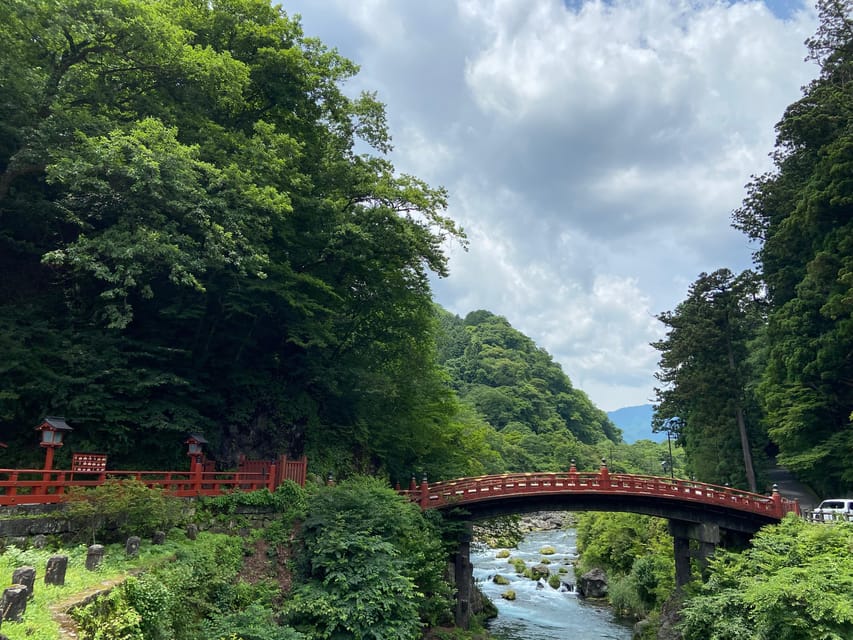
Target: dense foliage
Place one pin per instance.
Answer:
(372, 566)
(794, 583)
(197, 595)
(538, 420)
(705, 399)
(636, 553)
(199, 231)
(120, 508)
(799, 369)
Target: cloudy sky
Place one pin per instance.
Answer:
(593, 151)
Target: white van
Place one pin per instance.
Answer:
(834, 509)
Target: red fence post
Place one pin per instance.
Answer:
(605, 475)
(424, 492)
(272, 476)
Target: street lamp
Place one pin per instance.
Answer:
(52, 430)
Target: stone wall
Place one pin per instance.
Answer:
(20, 524)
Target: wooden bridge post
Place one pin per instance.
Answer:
(424, 492)
(463, 576)
(605, 475)
(777, 501)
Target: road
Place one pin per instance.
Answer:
(792, 488)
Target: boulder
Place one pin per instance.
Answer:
(593, 584)
(538, 571)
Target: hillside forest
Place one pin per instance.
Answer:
(200, 231)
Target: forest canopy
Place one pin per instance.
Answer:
(200, 231)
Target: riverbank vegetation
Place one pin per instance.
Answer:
(635, 551)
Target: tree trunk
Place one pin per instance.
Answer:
(741, 427)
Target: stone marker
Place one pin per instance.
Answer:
(54, 572)
(40, 541)
(13, 604)
(131, 548)
(159, 537)
(25, 576)
(192, 531)
(94, 556)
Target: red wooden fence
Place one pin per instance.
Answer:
(37, 486)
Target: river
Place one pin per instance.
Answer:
(540, 612)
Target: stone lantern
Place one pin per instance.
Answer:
(52, 431)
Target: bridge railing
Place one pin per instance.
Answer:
(468, 490)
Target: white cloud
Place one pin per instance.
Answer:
(593, 152)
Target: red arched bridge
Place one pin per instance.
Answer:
(488, 496)
(703, 513)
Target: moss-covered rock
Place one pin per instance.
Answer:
(544, 561)
(499, 579)
(554, 581)
(547, 551)
(503, 553)
(537, 571)
(509, 594)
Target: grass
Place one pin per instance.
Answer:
(38, 622)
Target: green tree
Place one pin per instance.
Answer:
(191, 239)
(800, 214)
(794, 583)
(705, 370)
(372, 566)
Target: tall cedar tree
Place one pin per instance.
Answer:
(190, 239)
(704, 398)
(802, 214)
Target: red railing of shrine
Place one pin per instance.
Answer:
(471, 490)
(38, 486)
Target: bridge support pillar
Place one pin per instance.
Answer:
(463, 576)
(707, 537)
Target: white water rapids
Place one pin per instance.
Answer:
(540, 612)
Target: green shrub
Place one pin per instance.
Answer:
(109, 618)
(255, 622)
(794, 582)
(121, 508)
(372, 566)
(152, 600)
(623, 596)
